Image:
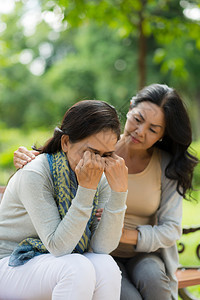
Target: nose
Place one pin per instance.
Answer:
(140, 130)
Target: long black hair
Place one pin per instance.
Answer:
(178, 134)
(82, 120)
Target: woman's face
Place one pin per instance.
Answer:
(145, 125)
(102, 143)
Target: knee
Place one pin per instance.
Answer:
(111, 267)
(78, 267)
(151, 280)
(107, 268)
(76, 276)
(150, 273)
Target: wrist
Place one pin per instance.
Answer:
(129, 236)
(88, 186)
(117, 201)
(118, 189)
(84, 197)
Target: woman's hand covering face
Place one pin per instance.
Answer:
(91, 167)
(116, 173)
(89, 170)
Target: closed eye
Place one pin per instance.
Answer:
(95, 152)
(137, 120)
(107, 155)
(152, 130)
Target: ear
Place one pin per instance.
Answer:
(64, 142)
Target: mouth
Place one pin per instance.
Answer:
(134, 140)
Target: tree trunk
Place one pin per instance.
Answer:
(142, 49)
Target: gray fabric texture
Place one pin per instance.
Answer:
(144, 277)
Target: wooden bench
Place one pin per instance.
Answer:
(187, 276)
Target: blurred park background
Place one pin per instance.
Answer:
(55, 53)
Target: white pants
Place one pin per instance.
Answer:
(69, 277)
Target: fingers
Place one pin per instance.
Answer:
(98, 214)
(22, 156)
(35, 153)
(92, 160)
(79, 166)
(113, 160)
(89, 170)
(115, 156)
(116, 173)
(26, 154)
(18, 165)
(100, 161)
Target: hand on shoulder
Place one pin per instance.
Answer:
(22, 156)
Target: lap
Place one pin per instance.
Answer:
(101, 261)
(144, 274)
(144, 265)
(46, 275)
(39, 275)
(128, 290)
(106, 269)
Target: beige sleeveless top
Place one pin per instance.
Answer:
(144, 193)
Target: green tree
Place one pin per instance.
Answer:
(143, 19)
(97, 49)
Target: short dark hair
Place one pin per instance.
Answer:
(82, 120)
(178, 134)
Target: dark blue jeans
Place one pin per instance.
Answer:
(144, 277)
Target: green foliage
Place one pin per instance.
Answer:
(196, 152)
(94, 61)
(11, 140)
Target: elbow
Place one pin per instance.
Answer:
(99, 249)
(172, 236)
(179, 232)
(176, 232)
(58, 251)
(104, 249)
(58, 246)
